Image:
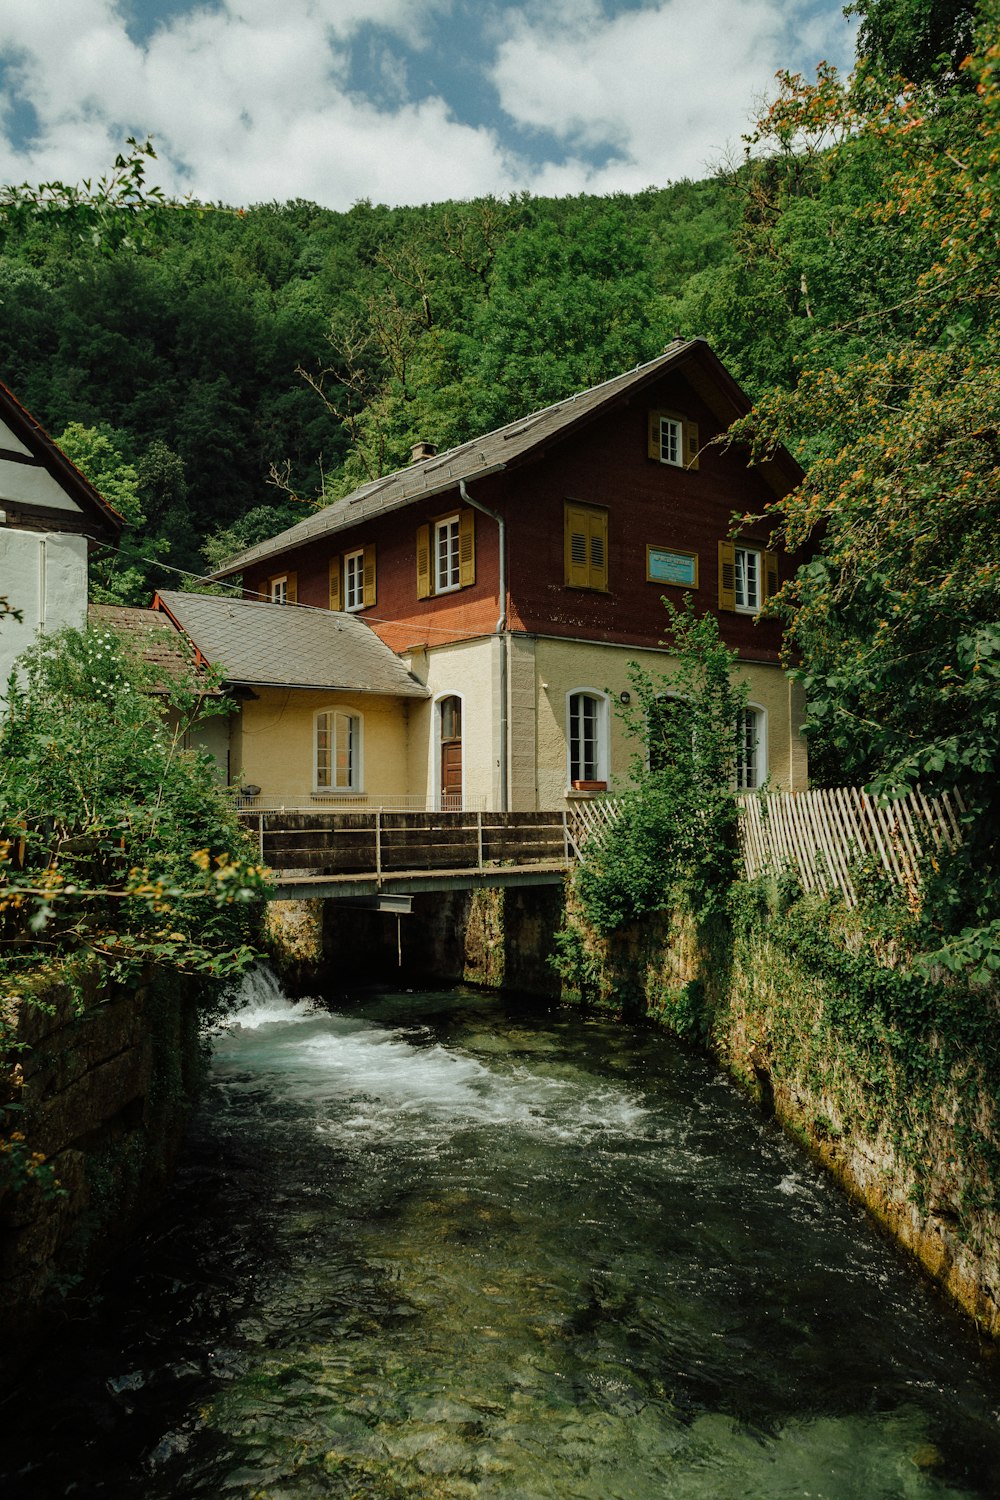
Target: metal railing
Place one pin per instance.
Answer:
(336, 802)
(325, 844)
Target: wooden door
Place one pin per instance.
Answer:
(450, 722)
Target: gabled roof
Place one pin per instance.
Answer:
(34, 449)
(288, 645)
(515, 443)
(153, 636)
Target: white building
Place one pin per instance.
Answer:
(50, 519)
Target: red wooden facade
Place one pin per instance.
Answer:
(603, 463)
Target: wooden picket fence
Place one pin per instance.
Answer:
(823, 835)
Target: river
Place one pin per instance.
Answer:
(446, 1245)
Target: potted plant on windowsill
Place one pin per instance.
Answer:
(590, 786)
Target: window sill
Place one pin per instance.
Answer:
(336, 794)
(582, 791)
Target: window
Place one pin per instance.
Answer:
(747, 579)
(352, 579)
(338, 751)
(585, 546)
(673, 439)
(751, 769)
(587, 740)
(669, 726)
(281, 589)
(446, 564)
(446, 554)
(748, 576)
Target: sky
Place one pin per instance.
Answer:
(397, 101)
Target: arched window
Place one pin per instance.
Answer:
(669, 725)
(751, 749)
(337, 747)
(587, 740)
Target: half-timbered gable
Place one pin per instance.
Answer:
(50, 517)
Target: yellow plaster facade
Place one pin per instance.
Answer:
(273, 746)
(542, 673)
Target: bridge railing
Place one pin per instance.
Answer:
(383, 843)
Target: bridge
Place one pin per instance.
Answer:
(383, 858)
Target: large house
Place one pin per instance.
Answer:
(517, 576)
(50, 519)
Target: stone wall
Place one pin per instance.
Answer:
(848, 1055)
(101, 1079)
(497, 938)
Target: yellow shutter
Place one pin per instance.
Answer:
(585, 547)
(466, 548)
(691, 444)
(769, 568)
(423, 562)
(335, 572)
(599, 549)
(369, 577)
(727, 575)
(292, 588)
(653, 435)
(576, 548)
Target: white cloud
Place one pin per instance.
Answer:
(667, 88)
(249, 100)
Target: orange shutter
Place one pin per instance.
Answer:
(653, 435)
(335, 571)
(292, 588)
(769, 567)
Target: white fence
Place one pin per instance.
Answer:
(823, 835)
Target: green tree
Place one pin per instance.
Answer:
(896, 621)
(674, 842)
(925, 41)
(116, 842)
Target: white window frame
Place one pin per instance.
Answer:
(354, 580)
(343, 724)
(672, 451)
(278, 589)
(758, 770)
(749, 578)
(601, 756)
(449, 578)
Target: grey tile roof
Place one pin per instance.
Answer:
(289, 645)
(483, 455)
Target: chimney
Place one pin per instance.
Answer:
(422, 450)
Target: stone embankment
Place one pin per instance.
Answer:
(100, 1079)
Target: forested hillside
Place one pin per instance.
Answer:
(325, 344)
(206, 367)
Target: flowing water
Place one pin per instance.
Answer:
(444, 1245)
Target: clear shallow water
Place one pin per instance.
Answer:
(444, 1245)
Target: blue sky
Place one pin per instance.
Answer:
(400, 101)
